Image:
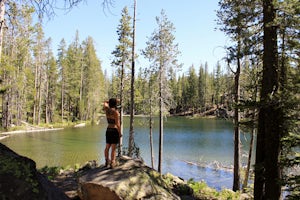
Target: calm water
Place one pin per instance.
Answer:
(202, 141)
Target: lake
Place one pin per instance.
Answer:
(191, 146)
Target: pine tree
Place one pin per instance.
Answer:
(192, 89)
(40, 60)
(141, 90)
(185, 95)
(173, 84)
(151, 106)
(217, 84)
(73, 84)
(267, 169)
(62, 67)
(2, 25)
(289, 80)
(131, 143)
(15, 70)
(92, 82)
(51, 86)
(122, 60)
(236, 18)
(162, 51)
(201, 88)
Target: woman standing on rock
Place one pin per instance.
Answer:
(113, 131)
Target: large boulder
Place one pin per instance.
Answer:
(19, 179)
(131, 179)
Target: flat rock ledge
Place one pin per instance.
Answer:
(130, 179)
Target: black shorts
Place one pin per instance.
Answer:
(112, 136)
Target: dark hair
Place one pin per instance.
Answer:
(112, 102)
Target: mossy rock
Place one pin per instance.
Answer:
(20, 179)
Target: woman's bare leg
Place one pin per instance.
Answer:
(113, 153)
(106, 153)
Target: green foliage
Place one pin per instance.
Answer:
(50, 172)
(54, 171)
(192, 88)
(229, 195)
(122, 60)
(162, 52)
(202, 191)
(36, 87)
(202, 86)
(77, 166)
(177, 185)
(136, 152)
(197, 186)
(20, 170)
(93, 87)
(290, 158)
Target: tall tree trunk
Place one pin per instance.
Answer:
(35, 95)
(247, 172)
(267, 171)
(121, 109)
(62, 97)
(18, 108)
(2, 24)
(5, 110)
(132, 104)
(236, 172)
(161, 123)
(47, 109)
(253, 131)
(283, 65)
(151, 126)
(81, 110)
(39, 96)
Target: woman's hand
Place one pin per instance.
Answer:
(105, 104)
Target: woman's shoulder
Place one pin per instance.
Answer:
(112, 111)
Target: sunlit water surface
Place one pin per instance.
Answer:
(192, 147)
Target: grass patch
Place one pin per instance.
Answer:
(50, 172)
(203, 191)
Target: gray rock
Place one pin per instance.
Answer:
(131, 179)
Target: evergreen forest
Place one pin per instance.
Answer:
(258, 89)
